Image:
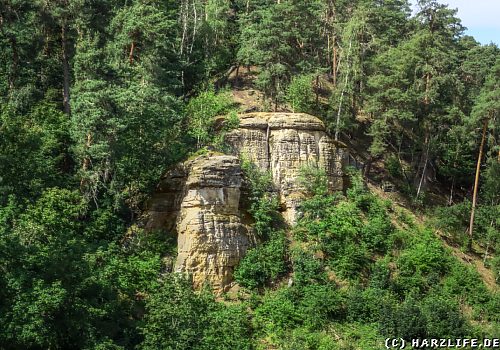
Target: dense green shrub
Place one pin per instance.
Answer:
(367, 305)
(229, 328)
(179, 318)
(310, 306)
(307, 268)
(201, 112)
(263, 200)
(176, 316)
(405, 320)
(52, 283)
(305, 339)
(264, 263)
(377, 233)
(318, 304)
(33, 151)
(443, 317)
(351, 260)
(454, 220)
(348, 230)
(494, 263)
(464, 283)
(269, 259)
(315, 183)
(426, 255)
(435, 316)
(393, 166)
(277, 313)
(300, 94)
(380, 274)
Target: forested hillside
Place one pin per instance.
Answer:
(98, 99)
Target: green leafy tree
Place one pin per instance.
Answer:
(176, 316)
(179, 318)
(281, 38)
(300, 94)
(201, 113)
(33, 151)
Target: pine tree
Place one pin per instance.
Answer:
(486, 111)
(281, 38)
(414, 89)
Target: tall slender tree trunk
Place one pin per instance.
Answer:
(66, 74)
(426, 160)
(131, 53)
(476, 183)
(343, 92)
(317, 91)
(334, 63)
(15, 62)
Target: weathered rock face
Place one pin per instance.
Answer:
(283, 143)
(211, 237)
(201, 202)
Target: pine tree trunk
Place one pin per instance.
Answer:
(66, 75)
(424, 170)
(334, 64)
(476, 183)
(15, 63)
(131, 53)
(343, 92)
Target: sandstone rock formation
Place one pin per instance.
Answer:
(283, 143)
(200, 201)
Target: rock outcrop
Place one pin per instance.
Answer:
(284, 143)
(200, 200)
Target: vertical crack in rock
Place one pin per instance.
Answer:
(316, 139)
(268, 147)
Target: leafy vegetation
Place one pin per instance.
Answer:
(353, 271)
(99, 98)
